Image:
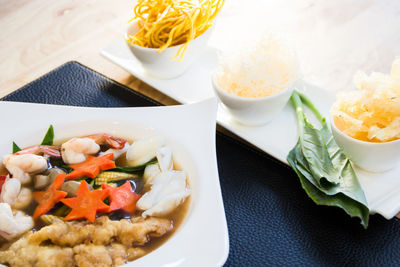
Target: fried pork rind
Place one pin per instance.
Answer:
(372, 113)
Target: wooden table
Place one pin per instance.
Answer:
(333, 38)
(38, 35)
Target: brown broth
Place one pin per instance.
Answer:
(3, 170)
(176, 217)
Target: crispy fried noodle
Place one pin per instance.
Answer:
(166, 23)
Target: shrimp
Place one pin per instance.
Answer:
(117, 152)
(13, 224)
(10, 190)
(21, 166)
(77, 150)
(40, 149)
(23, 200)
(106, 139)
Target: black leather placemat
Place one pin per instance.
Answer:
(270, 219)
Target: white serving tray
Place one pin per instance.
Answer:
(277, 138)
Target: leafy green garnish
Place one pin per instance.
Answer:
(62, 211)
(47, 140)
(59, 163)
(133, 169)
(66, 168)
(49, 137)
(324, 170)
(15, 148)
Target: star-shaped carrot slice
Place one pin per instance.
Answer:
(86, 204)
(122, 197)
(91, 167)
(47, 199)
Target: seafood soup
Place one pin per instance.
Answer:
(89, 200)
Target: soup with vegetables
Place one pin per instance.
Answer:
(89, 200)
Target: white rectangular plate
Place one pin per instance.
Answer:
(276, 138)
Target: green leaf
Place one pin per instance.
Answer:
(133, 169)
(62, 211)
(324, 170)
(350, 185)
(49, 137)
(316, 153)
(338, 195)
(15, 148)
(66, 168)
(59, 163)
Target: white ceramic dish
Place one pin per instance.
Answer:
(374, 157)
(276, 138)
(160, 64)
(253, 111)
(205, 220)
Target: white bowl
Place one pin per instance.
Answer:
(161, 64)
(372, 157)
(204, 230)
(253, 111)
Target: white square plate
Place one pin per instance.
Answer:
(202, 238)
(277, 138)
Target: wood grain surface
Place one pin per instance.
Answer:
(38, 35)
(333, 38)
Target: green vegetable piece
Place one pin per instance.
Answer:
(49, 137)
(59, 163)
(324, 170)
(133, 169)
(62, 211)
(15, 148)
(50, 219)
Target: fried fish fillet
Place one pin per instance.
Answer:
(103, 243)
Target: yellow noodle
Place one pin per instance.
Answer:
(166, 23)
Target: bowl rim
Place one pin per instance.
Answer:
(126, 36)
(357, 141)
(251, 99)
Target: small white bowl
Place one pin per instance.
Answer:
(160, 65)
(253, 111)
(373, 157)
